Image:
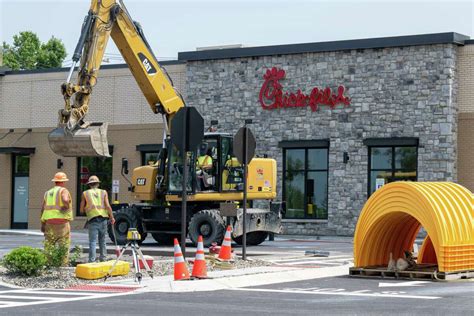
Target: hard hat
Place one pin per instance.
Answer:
(93, 179)
(60, 177)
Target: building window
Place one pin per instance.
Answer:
(149, 158)
(149, 153)
(89, 166)
(391, 163)
(305, 182)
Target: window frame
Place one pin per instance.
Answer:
(306, 146)
(393, 168)
(148, 149)
(78, 181)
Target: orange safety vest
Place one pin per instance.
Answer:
(53, 204)
(95, 203)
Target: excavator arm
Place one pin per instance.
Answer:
(74, 136)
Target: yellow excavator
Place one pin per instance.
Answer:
(215, 187)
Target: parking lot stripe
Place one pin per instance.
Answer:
(337, 293)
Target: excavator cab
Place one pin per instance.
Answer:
(90, 141)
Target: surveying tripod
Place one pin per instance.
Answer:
(132, 237)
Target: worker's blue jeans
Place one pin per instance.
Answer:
(97, 228)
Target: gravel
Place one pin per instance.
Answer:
(61, 278)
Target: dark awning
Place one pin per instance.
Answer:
(394, 141)
(318, 143)
(149, 147)
(17, 150)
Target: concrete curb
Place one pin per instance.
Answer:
(242, 278)
(20, 232)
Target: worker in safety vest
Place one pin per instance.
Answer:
(56, 213)
(95, 204)
(203, 169)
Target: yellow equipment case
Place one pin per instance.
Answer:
(98, 270)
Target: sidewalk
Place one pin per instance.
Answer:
(229, 279)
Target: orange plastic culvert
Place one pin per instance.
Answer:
(392, 217)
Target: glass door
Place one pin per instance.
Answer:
(20, 191)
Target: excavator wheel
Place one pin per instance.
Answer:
(209, 224)
(125, 218)
(253, 238)
(165, 239)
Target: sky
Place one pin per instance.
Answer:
(173, 26)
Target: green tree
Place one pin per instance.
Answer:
(27, 52)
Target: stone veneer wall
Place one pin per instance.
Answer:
(396, 92)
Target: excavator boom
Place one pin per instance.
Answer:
(74, 137)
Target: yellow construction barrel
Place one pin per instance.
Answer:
(393, 215)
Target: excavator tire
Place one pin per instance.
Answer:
(165, 239)
(209, 224)
(125, 218)
(253, 238)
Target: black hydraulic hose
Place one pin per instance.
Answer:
(85, 31)
(140, 32)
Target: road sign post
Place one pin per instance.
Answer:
(187, 132)
(244, 150)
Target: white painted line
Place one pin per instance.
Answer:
(301, 289)
(25, 297)
(315, 262)
(65, 293)
(400, 284)
(61, 300)
(335, 258)
(338, 293)
(361, 291)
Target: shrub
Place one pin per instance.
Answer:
(25, 261)
(56, 254)
(76, 255)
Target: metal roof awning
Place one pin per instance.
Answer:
(149, 147)
(15, 146)
(17, 150)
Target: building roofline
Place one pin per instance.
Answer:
(380, 42)
(7, 71)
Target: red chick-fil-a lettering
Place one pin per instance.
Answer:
(272, 96)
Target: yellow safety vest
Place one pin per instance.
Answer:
(95, 203)
(203, 161)
(53, 204)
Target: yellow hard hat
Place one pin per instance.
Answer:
(60, 177)
(93, 179)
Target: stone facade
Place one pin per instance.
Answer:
(396, 92)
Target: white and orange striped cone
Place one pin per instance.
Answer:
(180, 268)
(199, 267)
(226, 250)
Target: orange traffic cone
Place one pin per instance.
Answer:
(180, 269)
(199, 267)
(226, 250)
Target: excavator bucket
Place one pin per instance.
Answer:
(83, 142)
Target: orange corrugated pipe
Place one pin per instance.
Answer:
(392, 217)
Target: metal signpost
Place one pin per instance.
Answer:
(244, 150)
(187, 132)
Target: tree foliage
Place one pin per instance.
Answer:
(28, 52)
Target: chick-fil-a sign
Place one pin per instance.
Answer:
(272, 96)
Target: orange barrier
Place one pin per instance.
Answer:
(225, 254)
(199, 267)
(427, 252)
(392, 217)
(180, 268)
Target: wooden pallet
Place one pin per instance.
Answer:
(421, 272)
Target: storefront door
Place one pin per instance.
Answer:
(20, 191)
